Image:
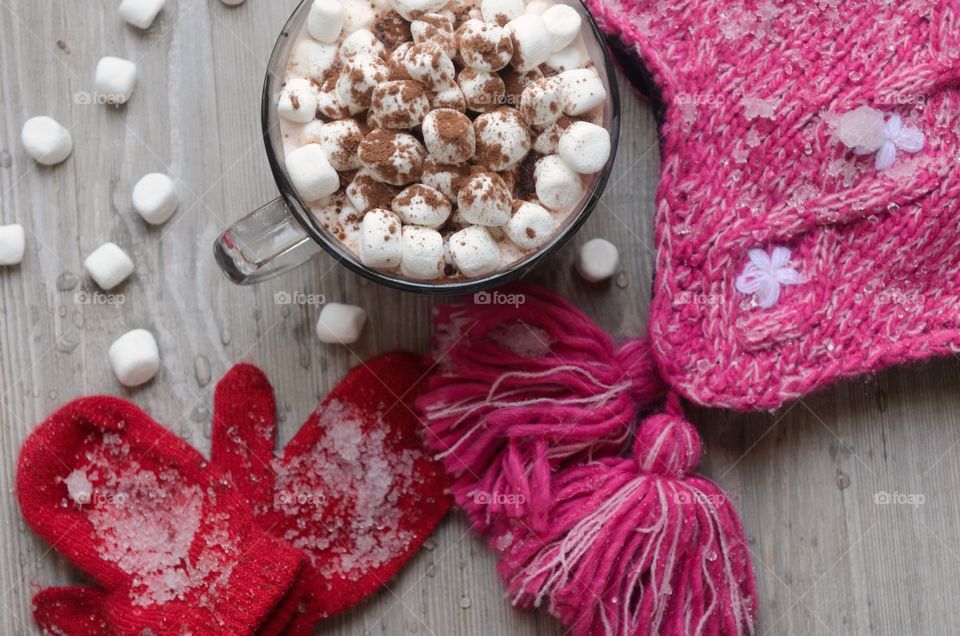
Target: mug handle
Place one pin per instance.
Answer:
(264, 244)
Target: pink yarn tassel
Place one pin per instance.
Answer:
(637, 546)
(528, 382)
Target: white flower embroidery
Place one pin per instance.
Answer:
(764, 275)
(895, 136)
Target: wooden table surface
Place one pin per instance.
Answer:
(828, 558)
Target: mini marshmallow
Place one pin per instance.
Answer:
(582, 91)
(46, 141)
(360, 76)
(541, 102)
(474, 251)
(155, 198)
(546, 142)
(537, 7)
(563, 24)
(115, 79)
(531, 41)
(568, 59)
(358, 15)
(437, 28)
(530, 226)
(361, 42)
(412, 9)
(451, 98)
(328, 100)
(482, 91)
(501, 11)
(396, 62)
(140, 13)
(13, 244)
(340, 140)
(445, 178)
(349, 220)
(585, 147)
(381, 243)
(502, 139)
(366, 193)
(484, 47)
(298, 101)
(449, 136)
(341, 324)
(311, 173)
(422, 253)
(558, 186)
(422, 205)
(313, 59)
(394, 158)
(597, 260)
(325, 20)
(429, 64)
(485, 199)
(108, 266)
(399, 105)
(516, 81)
(135, 357)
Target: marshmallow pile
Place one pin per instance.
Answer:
(441, 139)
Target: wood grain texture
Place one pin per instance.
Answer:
(829, 559)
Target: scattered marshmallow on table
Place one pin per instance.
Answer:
(46, 141)
(422, 205)
(140, 13)
(597, 260)
(325, 20)
(563, 24)
(501, 11)
(422, 253)
(474, 251)
(12, 244)
(558, 186)
(485, 199)
(585, 147)
(531, 41)
(381, 243)
(108, 266)
(135, 357)
(341, 324)
(232, 3)
(155, 198)
(298, 101)
(530, 226)
(115, 79)
(582, 91)
(311, 173)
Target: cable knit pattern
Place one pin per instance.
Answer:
(753, 92)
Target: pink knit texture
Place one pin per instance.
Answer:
(752, 91)
(532, 409)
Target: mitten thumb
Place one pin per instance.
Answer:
(72, 611)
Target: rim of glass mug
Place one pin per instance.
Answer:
(240, 250)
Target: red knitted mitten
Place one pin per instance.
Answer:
(172, 546)
(355, 488)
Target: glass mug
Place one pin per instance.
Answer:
(284, 233)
